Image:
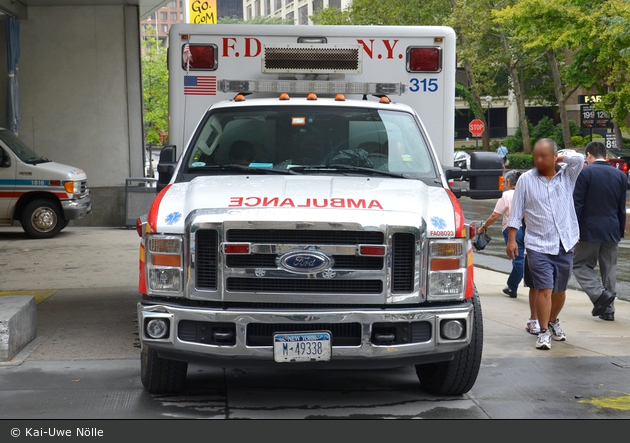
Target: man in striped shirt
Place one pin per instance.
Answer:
(544, 197)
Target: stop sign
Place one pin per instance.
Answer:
(476, 127)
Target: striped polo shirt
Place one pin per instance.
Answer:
(547, 206)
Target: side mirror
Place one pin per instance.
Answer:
(166, 166)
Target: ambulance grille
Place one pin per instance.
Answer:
(207, 259)
(305, 237)
(312, 60)
(306, 285)
(403, 263)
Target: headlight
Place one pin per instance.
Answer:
(165, 263)
(447, 270)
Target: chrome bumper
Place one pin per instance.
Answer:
(76, 209)
(437, 348)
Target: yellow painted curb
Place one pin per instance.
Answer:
(39, 294)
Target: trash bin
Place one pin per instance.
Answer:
(139, 194)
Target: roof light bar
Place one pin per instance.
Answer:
(308, 86)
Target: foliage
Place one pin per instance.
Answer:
(521, 161)
(579, 141)
(545, 128)
(154, 87)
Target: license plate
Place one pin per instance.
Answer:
(308, 346)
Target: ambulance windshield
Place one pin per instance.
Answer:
(309, 138)
(19, 148)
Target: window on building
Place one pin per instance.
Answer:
(181, 3)
(249, 12)
(174, 16)
(181, 16)
(267, 7)
(278, 5)
(290, 16)
(152, 16)
(334, 3)
(288, 2)
(303, 15)
(165, 29)
(317, 5)
(257, 8)
(174, 4)
(163, 15)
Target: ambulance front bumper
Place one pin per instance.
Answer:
(76, 209)
(379, 338)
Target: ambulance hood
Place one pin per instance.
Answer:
(50, 171)
(374, 201)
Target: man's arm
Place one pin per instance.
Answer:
(512, 248)
(574, 162)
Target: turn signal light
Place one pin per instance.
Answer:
(240, 248)
(444, 264)
(167, 260)
(372, 250)
(69, 187)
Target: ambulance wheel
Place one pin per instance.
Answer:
(42, 219)
(457, 376)
(160, 375)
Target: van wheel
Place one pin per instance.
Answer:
(160, 375)
(456, 377)
(42, 219)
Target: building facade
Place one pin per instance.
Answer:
(297, 10)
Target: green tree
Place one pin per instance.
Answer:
(586, 43)
(154, 87)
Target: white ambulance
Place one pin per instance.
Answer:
(308, 221)
(41, 194)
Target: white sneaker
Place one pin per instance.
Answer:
(556, 331)
(544, 340)
(532, 326)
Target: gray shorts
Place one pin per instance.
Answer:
(550, 271)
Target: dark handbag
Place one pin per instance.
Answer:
(480, 241)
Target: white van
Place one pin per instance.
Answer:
(39, 193)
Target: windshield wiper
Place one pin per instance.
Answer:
(36, 160)
(234, 167)
(341, 167)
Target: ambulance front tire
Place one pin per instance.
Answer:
(42, 218)
(160, 375)
(457, 376)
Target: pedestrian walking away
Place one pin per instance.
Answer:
(600, 206)
(502, 209)
(544, 198)
(503, 152)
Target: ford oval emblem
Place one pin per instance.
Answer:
(304, 262)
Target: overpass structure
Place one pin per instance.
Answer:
(80, 89)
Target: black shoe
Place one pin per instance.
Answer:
(602, 303)
(608, 316)
(508, 291)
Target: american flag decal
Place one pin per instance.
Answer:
(200, 85)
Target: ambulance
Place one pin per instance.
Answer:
(305, 216)
(41, 194)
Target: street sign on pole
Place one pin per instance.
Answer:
(476, 127)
